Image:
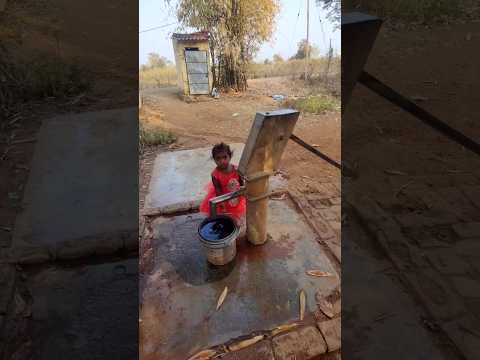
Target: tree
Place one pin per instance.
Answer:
(155, 60)
(333, 9)
(236, 27)
(302, 50)
(266, 61)
(277, 58)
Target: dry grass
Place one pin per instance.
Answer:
(40, 78)
(26, 74)
(152, 136)
(158, 77)
(167, 76)
(295, 68)
(317, 104)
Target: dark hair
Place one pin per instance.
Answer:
(222, 147)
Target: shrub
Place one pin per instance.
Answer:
(151, 136)
(314, 104)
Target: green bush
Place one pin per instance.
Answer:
(314, 104)
(150, 136)
(38, 79)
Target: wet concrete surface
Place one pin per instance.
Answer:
(180, 177)
(88, 312)
(179, 292)
(380, 325)
(77, 181)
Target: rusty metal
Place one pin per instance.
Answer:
(272, 193)
(315, 151)
(359, 32)
(222, 198)
(258, 175)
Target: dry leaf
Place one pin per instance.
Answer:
(318, 273)
(222, 297)
(326, 307)
(244, 343)
(303, 301)
(282, 328)
(395, 172)
(203, 355)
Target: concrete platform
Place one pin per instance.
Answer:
(179, 177)
(179, 295)
(83, 181)
(87, 312)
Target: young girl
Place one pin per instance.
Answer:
(225, 179)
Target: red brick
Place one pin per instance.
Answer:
(331, 331)
(304, 344)
(259, 351)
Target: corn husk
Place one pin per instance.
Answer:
(244, 343)
(222, 297)
(319, 273)
(303, 302)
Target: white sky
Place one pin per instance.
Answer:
(290, 29)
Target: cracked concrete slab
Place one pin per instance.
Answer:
(180, 177)
(81, 182)
(264, 284)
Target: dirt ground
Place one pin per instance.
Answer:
(438, 68)
(229, 119)
(425, 184)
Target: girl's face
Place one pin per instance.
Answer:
(222, 159)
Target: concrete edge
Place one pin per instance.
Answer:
(172, 210)
(188, 206)
(95, 245)
(249, 341)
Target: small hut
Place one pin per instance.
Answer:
(192, 59)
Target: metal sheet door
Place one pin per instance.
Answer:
(197, 71)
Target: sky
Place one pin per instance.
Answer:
(290, 29)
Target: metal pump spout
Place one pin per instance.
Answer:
(222, 198)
